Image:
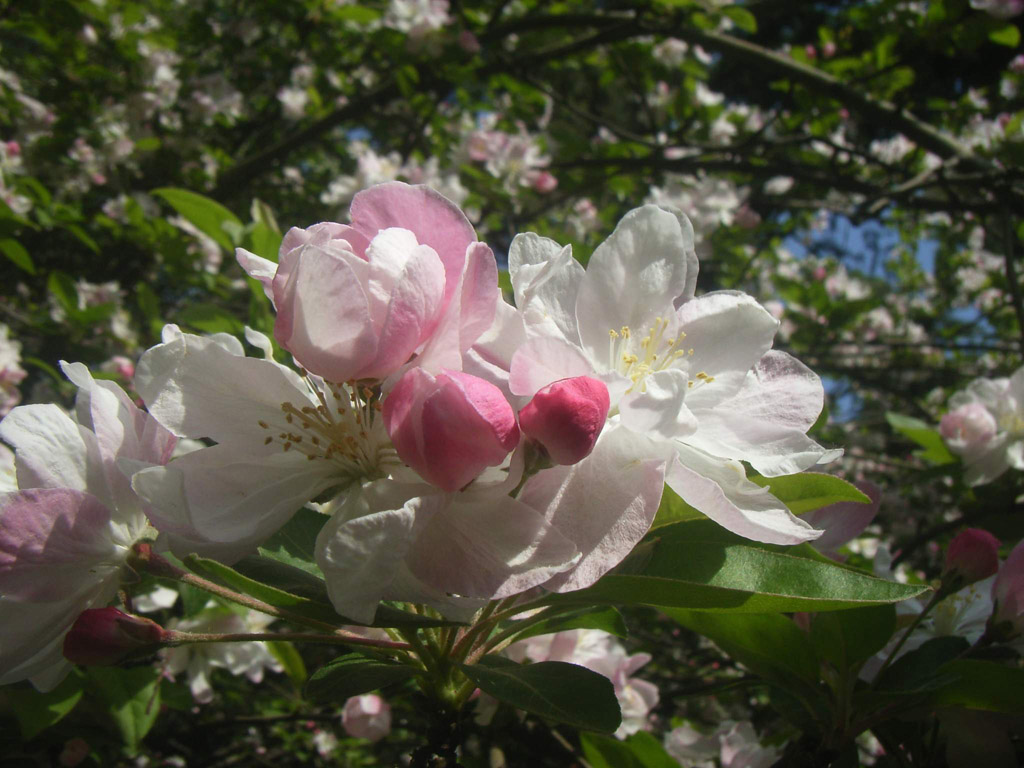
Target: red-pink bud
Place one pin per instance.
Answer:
(566, 417)
(451, 427)
(106, 636)
(972, 555)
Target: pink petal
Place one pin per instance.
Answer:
(53, 542)
(434, 219)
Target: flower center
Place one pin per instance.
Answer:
(343, 429)
(636, 358)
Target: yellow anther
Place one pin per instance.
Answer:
(613, 334)
(625, 331)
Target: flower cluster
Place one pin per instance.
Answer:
(461, 449)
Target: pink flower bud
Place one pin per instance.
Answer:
(1017, 65)
(107, 636)
(544, 182)
(1008, 596)
(566, 417)
(449, 428)
(811, 52)
(828, 50)
(972, 555)
(13, 148)
(366, 717)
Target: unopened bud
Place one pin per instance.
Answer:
(566, 417)
(972, 555)
(451, 427)
(106, 636)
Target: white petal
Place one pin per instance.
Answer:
(728, 333)
(52, 450)
(261, 341)
(196, 388)
(259, 269)
(359, 551)
(491, 356)
(634, 276)
(604, 504)
(221, 503)
(541, 361)
(658, 409)
(489, 546)
(545, 280)
(766, 422)
(719, 488)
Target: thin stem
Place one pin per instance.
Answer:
(174, 638)
(146, 559)
(939, 595)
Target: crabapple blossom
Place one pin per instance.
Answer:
(357, 301)
(735, 744)
(66, 535)
(281, 439)
(451, 427)
(693, 383)
(985, 427)
(366, 717)
(198, 660)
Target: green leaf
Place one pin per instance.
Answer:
(352, 675)
(62, 287)
(983, 685)
(1007, 35)
(209, 318)
(295, 543)
(808, 491)
(701, 566)
(768, 644)
(641, 750)
(848, 638)
(16, 252)
(131, 696)
(265, 242)
(290, 659)
(356, 14)
(606, 619)
(742, 18)
(207, 215)
(674, 510)
(37, 711)
(565, 693)
(923, 434)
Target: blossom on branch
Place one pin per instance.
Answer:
(66, 534)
